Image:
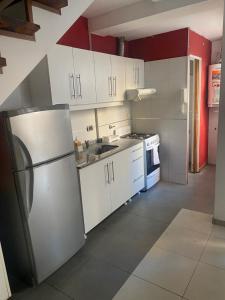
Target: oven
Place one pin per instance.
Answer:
(152, 161)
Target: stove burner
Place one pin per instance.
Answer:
(139, 136)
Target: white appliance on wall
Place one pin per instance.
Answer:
(151, 157)
(41, 220)
(214, 85)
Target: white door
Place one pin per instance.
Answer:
(118, 77)
(120, 178)
(84, 77)
(130, 74)
(140, 73)
(103, 76)
(94, 181)
(4, 285)
(61, 74)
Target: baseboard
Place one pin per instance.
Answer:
(218, 222)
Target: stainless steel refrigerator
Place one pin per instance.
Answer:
(41, 220)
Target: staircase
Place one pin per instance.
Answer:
(24, 41)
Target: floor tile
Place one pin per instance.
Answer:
(183, 241)
(218, 231)
(135, 288)
(43, 292)
(214, 253)
(166, 269)
(93, 280)
(207, 284)
(194, 220)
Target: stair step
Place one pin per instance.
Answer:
(51, 5)
(17, 28)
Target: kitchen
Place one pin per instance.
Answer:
(95, 85)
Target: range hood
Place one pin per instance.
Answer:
(139, 94)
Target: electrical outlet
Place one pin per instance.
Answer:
(90, 128)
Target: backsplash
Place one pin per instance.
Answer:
(114, 119)
(80, 120)
(105, 122)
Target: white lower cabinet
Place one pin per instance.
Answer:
(4, 284)
(109, 183)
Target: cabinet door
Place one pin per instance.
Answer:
(103, 76)
(130, 74)
(137, 168)
(61, 74)
(84, 77)
(120, 178)
(140, 73)
(95, 193)
(4, 285)
(118, 77)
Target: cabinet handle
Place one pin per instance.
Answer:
(113, 171)
(110, 86)
(134, 74)
(140, 157)
(72, 85)
(79, 84)
(138, 75)
(135, 150)
(114, 86)
(107, 180)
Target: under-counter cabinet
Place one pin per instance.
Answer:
(4, 284)
(71, 74)
(109, 183)
(134, 73)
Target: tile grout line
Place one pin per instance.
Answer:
(60, 291)
(198, 262)
(159, 286)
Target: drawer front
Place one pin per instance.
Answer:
(137, 151)
(138, 184)
(137, 167)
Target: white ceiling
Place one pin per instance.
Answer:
(205, 18)
(101, 7)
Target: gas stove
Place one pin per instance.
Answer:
(139, 136)
(151, 143)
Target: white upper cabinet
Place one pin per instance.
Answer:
(118, 77)
(134, 73)
(103, 76)
(61, 74)
(84, 77)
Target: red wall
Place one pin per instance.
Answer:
(160, 46)
(78, 37)
(200, 46)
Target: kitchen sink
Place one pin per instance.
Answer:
(105, 148)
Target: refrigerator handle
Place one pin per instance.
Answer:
(26, 187)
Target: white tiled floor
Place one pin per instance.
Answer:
(187, 262)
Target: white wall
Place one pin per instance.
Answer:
(166, 114)
(216, 51)
(213, 112)
(213, 133)
(219, 206)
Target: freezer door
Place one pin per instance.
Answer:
(40, 136)
(52, 206)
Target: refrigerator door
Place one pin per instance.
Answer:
(40, 136)
(53, 214)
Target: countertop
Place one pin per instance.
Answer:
(86, 158)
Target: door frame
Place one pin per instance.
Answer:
(196, 116)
